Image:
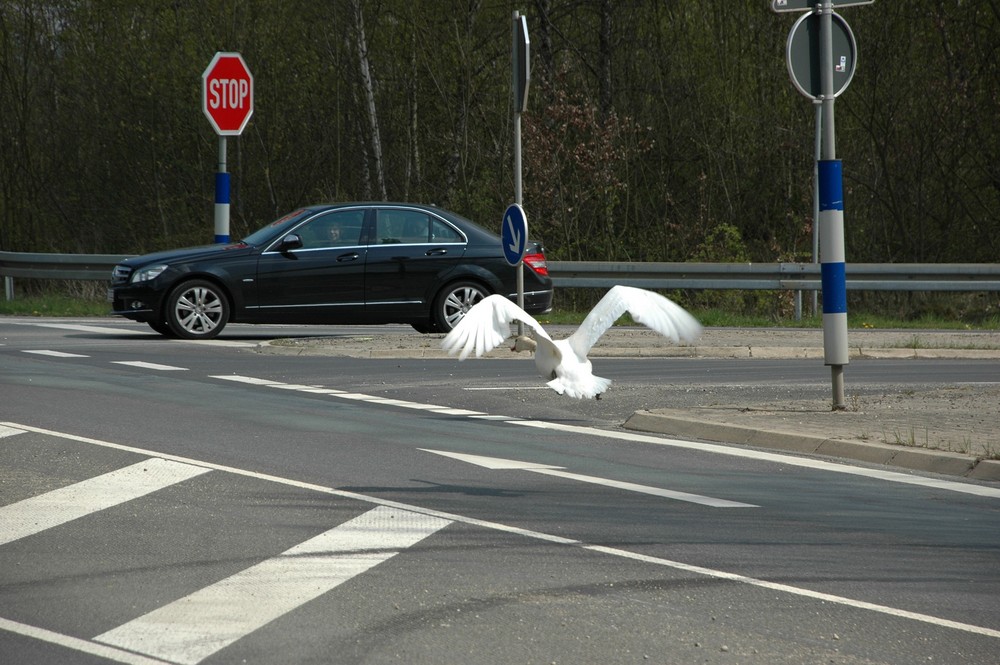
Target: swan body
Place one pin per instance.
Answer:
(563, 363)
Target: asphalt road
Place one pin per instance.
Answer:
(163, 501)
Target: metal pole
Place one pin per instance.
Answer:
(222, 196)
(518, 192)
(832, 223)
(818, 141)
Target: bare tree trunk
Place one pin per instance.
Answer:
(413, 163)
(369, 92)
(605, 59)
(546, 65)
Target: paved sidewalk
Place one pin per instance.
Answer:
(948, 429)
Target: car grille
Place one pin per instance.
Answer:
(120, 274)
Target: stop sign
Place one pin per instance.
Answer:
(227, 93)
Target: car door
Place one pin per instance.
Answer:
(319, 279)
(410, 253)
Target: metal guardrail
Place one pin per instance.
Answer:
(604, 274)
(55, 266)
(777, 276)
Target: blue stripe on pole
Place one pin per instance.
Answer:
(831, 185)
(834, 277)
(222, 187)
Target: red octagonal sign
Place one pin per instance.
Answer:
(227, 93)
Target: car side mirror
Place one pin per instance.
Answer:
(290, 242)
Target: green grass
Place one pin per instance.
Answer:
(70, 306)
(55, 305)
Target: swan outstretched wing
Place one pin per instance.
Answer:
(650, 309)
(486, 326)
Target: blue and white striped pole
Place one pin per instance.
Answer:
(833, 264)
(222, 196)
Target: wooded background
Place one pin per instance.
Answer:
(657, 130)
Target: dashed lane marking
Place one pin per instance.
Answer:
(145, 365)
(54, 354)
(806, 462)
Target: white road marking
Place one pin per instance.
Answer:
(75, 643)
(228, 343)
(494, 463)
(30, 516)
(497, 463)
(246, 379)
(536, 535)
(128, 331)
(797, 591)
(821, 465)
(646, 489)
(491, 388)
(145, 365)
(9, 431)
(360, 397)
(192, 628)
(82, 328)
(54, 354)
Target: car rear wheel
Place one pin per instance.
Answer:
(197, 309)
(454, 301)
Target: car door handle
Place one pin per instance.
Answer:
(437, 251)
(353, 256)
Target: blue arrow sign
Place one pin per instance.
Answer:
(514, 234)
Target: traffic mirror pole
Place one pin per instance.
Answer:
(831, 223)
(810, 50)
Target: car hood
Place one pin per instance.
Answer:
(189, 254)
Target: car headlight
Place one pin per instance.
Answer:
(147, 273)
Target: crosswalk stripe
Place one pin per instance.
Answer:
(194, 627)
(51, 509)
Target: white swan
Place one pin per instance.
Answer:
(564, 363)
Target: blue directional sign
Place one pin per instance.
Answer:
(514, 234)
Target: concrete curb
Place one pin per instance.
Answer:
(915, 459)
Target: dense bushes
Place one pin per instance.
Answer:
(655, 129)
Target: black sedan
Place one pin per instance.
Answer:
(352, 263)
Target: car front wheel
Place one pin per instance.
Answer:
(454, 301)
(197, 309)
(162, 327)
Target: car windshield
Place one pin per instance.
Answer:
(275, 228)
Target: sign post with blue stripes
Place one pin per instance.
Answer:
(227, 101)
(822, 42)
